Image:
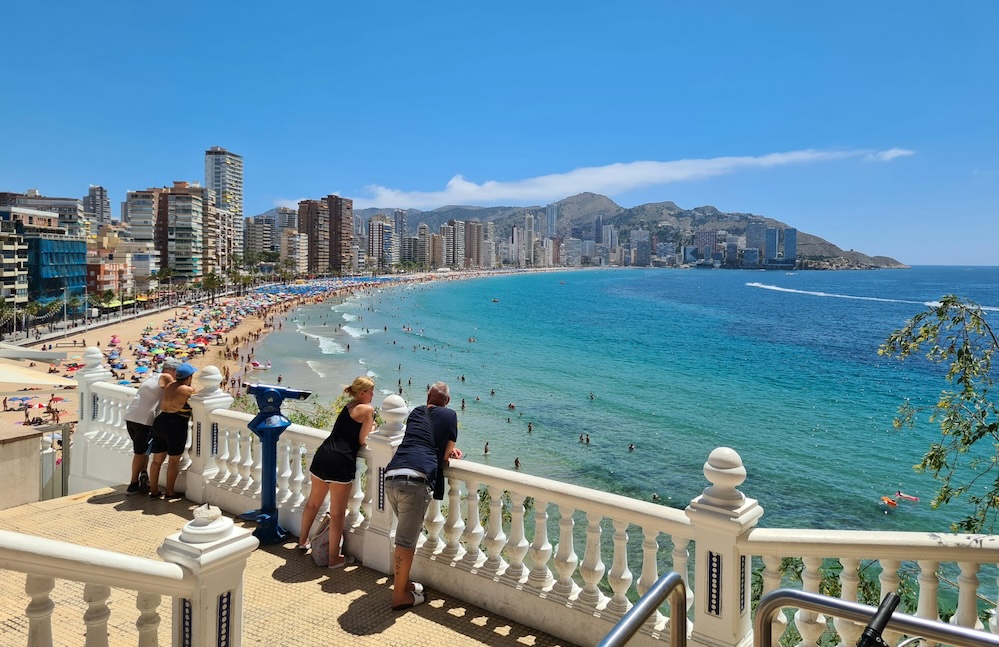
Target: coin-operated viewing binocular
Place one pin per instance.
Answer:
(268, 425)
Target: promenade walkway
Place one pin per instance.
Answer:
(289, 602)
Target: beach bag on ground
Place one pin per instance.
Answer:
(321, 542)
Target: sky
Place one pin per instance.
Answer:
(874, 125)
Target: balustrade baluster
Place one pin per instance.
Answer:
(454, 525)
(299, 482)
(540, 576)
(39, 610)
(650, 571)
(928, 606)
(367, 496)
(283, 475)
(967, 597)
(620, 576)
(235, 459)
(592, 569)
(495, 537)
(256, 474)
(889, 582)
(565, 555)
(246, 467)
(810, 625)
(473, 532)
(771, 582)
(681, 564)
(97, 614)
(356, 497)
(185, 456)
(148, 623)
(434, 522)
(223, 458)
(849, 582)
(517, 545)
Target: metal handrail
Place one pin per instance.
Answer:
(671, 585)
(933, 630)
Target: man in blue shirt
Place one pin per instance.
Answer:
(414, 476)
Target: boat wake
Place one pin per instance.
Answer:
(831, 295)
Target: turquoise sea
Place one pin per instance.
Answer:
(780, 366)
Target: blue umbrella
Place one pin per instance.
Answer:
(124, 382)
(142, 369)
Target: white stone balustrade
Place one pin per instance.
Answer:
(202, 567)
(568, 565)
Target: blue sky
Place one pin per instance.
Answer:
(874, 125)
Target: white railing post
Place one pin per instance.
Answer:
(382, 443)
(205, 439)
(86, 377)
(215, 552)
(722, 583)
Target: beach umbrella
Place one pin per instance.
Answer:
(58, 399)
(141, 369)
(124, 382)
(36, 405)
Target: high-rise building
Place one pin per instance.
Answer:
(380, 239)
(455, 245)
(258, 234)
(424, 246)
(598, 230)
(790, 244)
(341, 212)
(772, 249)
(286, 219)
(224, 176)
(143, 208)
(474, 244)
(551, 220)
(529, 238)
(180, 230)
(314, 222)
(756, 236)
(706, 240)
(400, 222)
(97, 203)
(641, 242)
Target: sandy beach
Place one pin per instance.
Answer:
(234, 328)
(228, 347)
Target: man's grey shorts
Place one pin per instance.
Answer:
(409, 500)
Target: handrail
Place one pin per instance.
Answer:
(67, 561)
(671, 584)
(934, 631)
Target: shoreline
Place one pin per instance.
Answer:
(262, 312)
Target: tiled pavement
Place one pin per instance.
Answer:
(288, 601)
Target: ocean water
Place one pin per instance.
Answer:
(781, 367)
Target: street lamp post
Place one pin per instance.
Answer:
(65, 322)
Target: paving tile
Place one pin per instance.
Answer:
(288, 601)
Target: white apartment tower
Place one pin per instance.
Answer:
(224, 176)
(96, 202)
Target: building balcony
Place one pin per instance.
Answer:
(507, 558)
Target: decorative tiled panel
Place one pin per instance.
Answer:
(714, 583)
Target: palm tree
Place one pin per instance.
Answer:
(212, 283)
(166, 273)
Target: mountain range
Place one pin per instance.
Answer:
(670, 224)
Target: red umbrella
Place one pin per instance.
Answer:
(58, 399)
(37, 405)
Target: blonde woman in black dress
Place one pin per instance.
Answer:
(335, 465)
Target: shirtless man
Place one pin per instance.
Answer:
(170, 430)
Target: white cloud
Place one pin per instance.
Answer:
(609, 180)
(889, 155)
